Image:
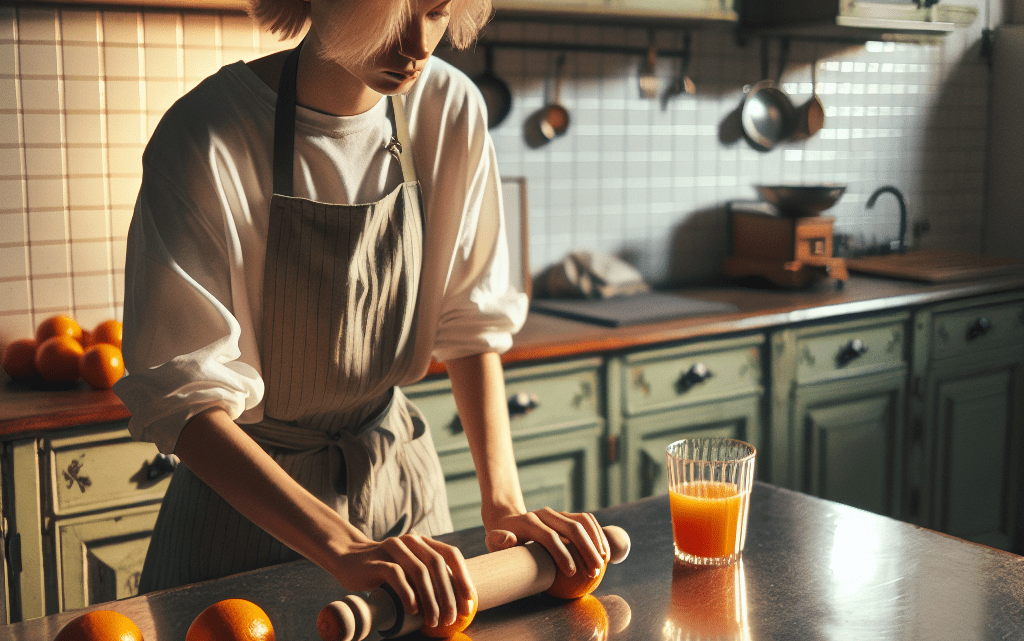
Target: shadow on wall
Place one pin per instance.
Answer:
(952, 162)
(697, 247)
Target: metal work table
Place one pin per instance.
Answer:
(812, 569)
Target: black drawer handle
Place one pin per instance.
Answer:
(980, 327)
(853, 350)
(522, 403)
(161, 466)
(695, 375)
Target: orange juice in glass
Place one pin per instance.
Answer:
(709, 482)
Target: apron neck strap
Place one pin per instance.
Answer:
(402, 133)
(284, 125)
(284, 129)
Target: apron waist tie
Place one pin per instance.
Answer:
(351, 464)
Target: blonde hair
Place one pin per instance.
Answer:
(366, 26)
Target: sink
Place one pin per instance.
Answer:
(935, 266)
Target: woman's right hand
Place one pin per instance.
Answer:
(429, 577)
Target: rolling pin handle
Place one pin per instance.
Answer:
(618, 543)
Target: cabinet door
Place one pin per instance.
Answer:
(977, 413)
(5, 598)
(101, 557)
(853, 441)
(559, 470)
(648, 437)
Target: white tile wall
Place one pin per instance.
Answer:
(81, 91)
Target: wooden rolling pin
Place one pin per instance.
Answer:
(499, 577)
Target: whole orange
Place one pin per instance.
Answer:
(577, 585)
(57, 359)
(19, 359)
(109, 331)
(460, 624)
(58, 326)
(231, 620)
(101, 365)
(100, 625)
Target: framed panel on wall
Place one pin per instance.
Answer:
(517, 215)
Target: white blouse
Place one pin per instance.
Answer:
(197, 241)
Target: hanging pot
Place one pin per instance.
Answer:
(497, 95)
(767, 114)
(551, 120)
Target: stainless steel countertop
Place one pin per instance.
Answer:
(812, 569)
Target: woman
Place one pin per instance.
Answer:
(314, 226)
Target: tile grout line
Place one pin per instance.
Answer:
(19, 103)
(58, 34)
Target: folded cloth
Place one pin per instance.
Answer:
(589, 275)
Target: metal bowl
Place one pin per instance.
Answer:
(801, 200)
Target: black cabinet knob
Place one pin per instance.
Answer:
(696, 374)
(522, 403)
(853, 350)
(980, 327)
(161, 466)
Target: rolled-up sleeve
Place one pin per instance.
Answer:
(181, 339)
(481, 309)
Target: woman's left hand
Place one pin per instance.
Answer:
(548, 528)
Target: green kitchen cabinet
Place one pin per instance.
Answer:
(838, 397)
(702, 388)
(556, 416)
(101, 555)
(967, 417)
(84, 505)
(558, 470)
(851, 433)
(5, 591)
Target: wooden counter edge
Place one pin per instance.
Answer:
(549, 338)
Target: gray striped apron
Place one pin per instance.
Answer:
(339, 300)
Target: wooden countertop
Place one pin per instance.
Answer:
(24, 411)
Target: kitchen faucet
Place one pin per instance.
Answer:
(903, 211)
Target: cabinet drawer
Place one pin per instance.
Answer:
(102, 471)
(856, 348)
(543, 396)
(975, 329)
(662, 379)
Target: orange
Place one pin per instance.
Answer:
(100, 625)
(58, 326)
(231, 620)
(108, 331)
(577, 585)
(86, 338)
(589, 616)
(57, 359)
(460, 624)
(20, 358)
(101, 365)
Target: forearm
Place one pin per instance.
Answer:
(230, 462)
(478, 385)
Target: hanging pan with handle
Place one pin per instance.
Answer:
(497, 95)
(551, 120)
(767, 114)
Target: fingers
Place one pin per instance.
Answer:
(500, 540)
(549, 527)
(459, 575)
(424, 575)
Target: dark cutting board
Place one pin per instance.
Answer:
(649, 307)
